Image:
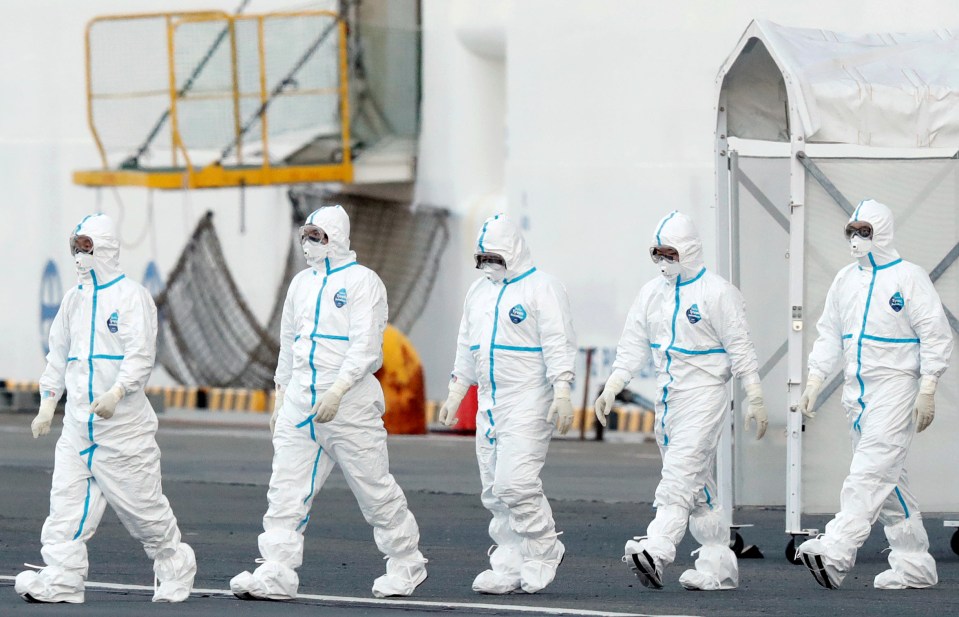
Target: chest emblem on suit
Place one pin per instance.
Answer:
(692, 314)
(112, 322)
(517, 313)
(340, 298)
(896, 302)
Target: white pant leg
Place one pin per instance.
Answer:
(506, 558)
(522, 438)
(909, 558)
(357, 441)
(300, 467)
(76, 507)
(881, 438)
(128, 474)
(687, 430)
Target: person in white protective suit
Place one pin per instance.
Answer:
(884, 319)
(328, 411)
(516, 341)
(693, 322)
(102, 348)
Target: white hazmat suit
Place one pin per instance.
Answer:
(331, 342)
(516, 341)
(102, 349)
(693, 322)
(883, 319)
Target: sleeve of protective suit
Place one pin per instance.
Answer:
(464, 367)
(827, 350)
(284, 363)
(733, 332)
(929, 321)
(556, 334)
(367, 324)
(139, 343)
(53, 377)
(632, 353)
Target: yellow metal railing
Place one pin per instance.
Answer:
(183, 172)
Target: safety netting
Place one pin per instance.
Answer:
(210, 337)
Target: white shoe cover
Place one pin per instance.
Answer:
(175, 575)
(51, 584)
(536, 574)
(401, 578)
(496, 583)
(270, 581)
(694, 580)
(890, 579)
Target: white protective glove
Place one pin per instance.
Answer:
(809, 396)
(561, 409)
(326, 408)
(755, 409)
(41, 424)
(278, 395)
(457, 392)
(105, 404)
(925, 406)
(614, 385)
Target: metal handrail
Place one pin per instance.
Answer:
(173, 21)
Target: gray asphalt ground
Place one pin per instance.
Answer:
(215, 475)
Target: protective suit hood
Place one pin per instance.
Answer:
(883, 230)
(106, 249)
(502, 236)
(336, 223)
(678, 231)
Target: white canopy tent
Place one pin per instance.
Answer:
(780, 229)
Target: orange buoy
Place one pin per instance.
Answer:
(404, 388)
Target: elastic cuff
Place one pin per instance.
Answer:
(750, 379)
(340, 386)
(928, 383)
(118, 390)
(812, 376)
(458, 388)
(561, 389)
(621, 377)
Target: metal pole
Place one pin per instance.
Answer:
(797, 232)
(724, 453)
(589, 367)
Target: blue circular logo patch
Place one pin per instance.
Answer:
(693, 314)
(517, 313)
(112, 322)
(340, 298)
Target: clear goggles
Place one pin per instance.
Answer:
(81, 244)
(488, 258)
(858, 228)
(663, 253)
(314, 234)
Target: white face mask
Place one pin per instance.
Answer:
(494, 272)
(84, 262)
(860, 246)
(315, 252)
(670, 269)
